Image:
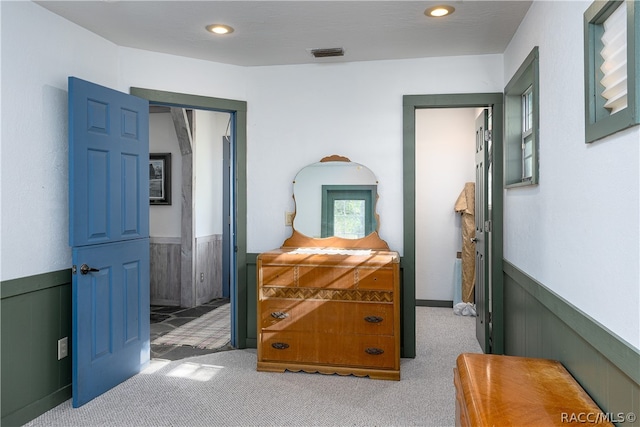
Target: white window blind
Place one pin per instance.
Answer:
(527, 134)
(614, 55)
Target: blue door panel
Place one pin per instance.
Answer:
(118, 295)
(130, 195)
(98, 116)
(130, 124)
(132, 287)
(108, 141)
(109, 233)
(100, 284)
(97, 193)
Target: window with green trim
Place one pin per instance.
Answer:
(612, 67)
(527, 134)
(348, 211)
(522, 124)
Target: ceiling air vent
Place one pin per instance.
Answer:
(325, 53)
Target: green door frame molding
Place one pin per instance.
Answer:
(239, 110)
(410, 104)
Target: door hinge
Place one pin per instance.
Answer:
(487, 135)
(487, 226)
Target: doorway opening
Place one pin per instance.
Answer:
(445, 182)
(492, 338)
(189, 238)
(228, 203)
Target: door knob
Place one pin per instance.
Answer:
(84, 269)
(473, 240)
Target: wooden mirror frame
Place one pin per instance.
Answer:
(370, 241)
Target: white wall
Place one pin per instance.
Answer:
(151, 70)
(165, 220)
(297, 115)
(0, 145)
(577, 232)
(445, 161)
(39, 51)
(301, 113)
(210, 128)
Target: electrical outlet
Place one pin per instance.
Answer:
(288, 218)
(202, 277)
(63, 348)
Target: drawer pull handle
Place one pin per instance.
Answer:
(373, 319)
(279, 315)
(374, 351)
(280, 345)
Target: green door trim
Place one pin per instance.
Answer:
(239, 109)
(410, 104)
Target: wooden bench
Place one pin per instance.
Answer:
(494, 390)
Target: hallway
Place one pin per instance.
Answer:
(168, 319)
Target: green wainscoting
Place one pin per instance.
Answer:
(252, 301)
(539, 323)
(36, 313)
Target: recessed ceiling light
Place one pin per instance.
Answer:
(439, 11)
(219, 29)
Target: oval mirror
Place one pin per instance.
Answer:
(335, 197)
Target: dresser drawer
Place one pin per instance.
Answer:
(329, 313)
(307, 276)
(323, 277)
(339, 317)
(329, 349)
(278, 275)
(374, 278)
(326, 277)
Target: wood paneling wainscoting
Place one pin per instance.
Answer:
(539, 323)
(208, 268)
(166, 282)
(165, 270)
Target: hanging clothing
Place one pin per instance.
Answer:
(465, 205)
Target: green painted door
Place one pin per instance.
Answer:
(481, 237)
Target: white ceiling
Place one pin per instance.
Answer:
(283, 32)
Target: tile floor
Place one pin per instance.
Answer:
(165, 319)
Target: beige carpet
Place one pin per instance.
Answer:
(224, 389)
(210, 331)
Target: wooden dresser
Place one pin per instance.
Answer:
(329, 312)
(494, 390)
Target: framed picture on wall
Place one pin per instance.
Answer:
(160, 178)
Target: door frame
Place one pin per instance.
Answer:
(464, 100)
(238, 111)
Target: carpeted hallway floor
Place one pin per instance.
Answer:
(224, 389)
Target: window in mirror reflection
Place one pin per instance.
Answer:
(348, 218)
(347, 211)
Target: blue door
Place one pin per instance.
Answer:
(109, 233)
